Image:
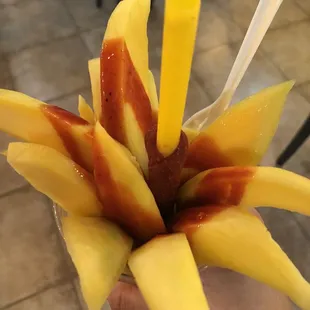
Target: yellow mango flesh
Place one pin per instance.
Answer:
(85, 111)
(27, 118)
(248, 187)
(21, 117)
(166, 274)
(129, 99)
(123, 191)
(99, 250)
(241, 136)
(56, 176)
(235, 239)
(129, 21)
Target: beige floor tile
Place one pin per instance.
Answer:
(9, 2)
(304, 221)
(33, 22)
(81, 299)
(62, 297)
(288, 13)
(215, 27)
(93, 40)
(53, 70)
(31, 255)
(285, 230)
(70, 102)
(87, 15)
(6, 80)
(9, 179)
(289, 49)
(196, 97)
(213, 67)
(304, 4)
(305, 90)
(242, 12)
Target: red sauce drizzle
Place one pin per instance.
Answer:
(165, 173)
(188, 221)
(223, 186)
(62, 121)
(204, 154)
(121, 84)
(119, 203)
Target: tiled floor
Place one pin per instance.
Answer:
(44, 48)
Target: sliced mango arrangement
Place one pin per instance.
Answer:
(128, 203)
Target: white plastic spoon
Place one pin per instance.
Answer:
(263, 17)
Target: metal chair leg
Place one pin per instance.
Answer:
(99, 3)
(301, 136)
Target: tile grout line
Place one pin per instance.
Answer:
(41, 44)
(204, 50)
(78, 90)
(78, 29)
(58, 236)
(57, 283)
(301, 227)
(199, 81)
(301, 8)
(77, 295)
(14, 4)
(267, 57)
(277, 27)
(296, 22)
(15, 190)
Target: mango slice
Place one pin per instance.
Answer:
(231, 238)
(122, 189)
(248, 187)
(56, 176)
(85, 111)
(126, 107)
(34, 121)
(241, 136)
(99, 250)
(168, 262)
